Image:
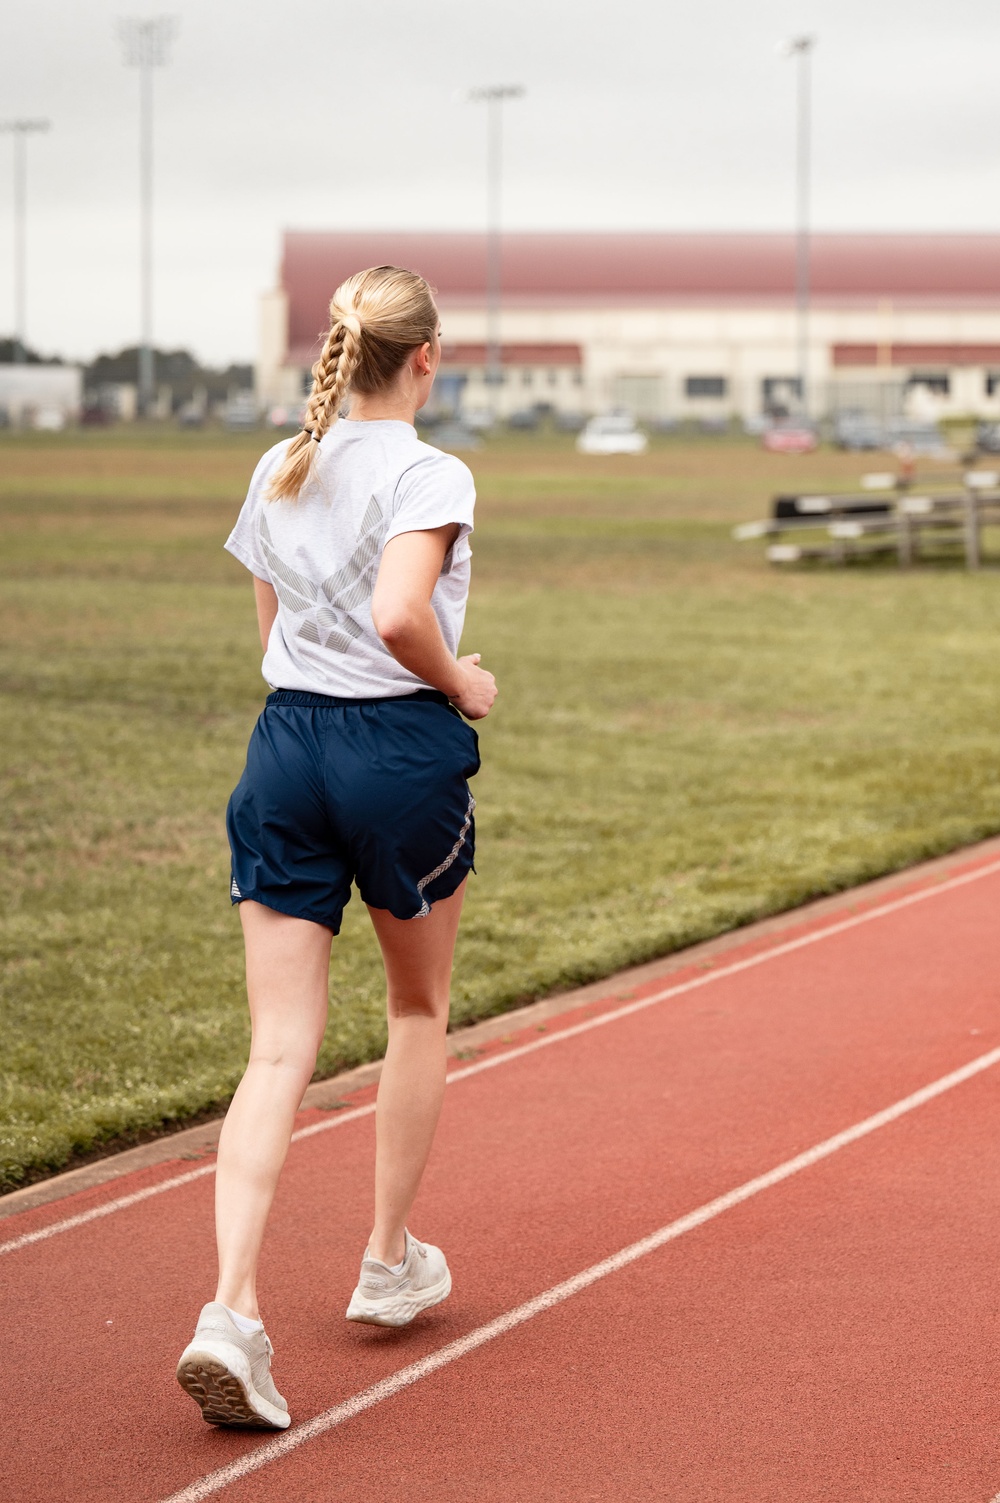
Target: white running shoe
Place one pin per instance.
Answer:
(228, 1374)
(385, 1298)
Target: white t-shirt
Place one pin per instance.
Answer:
(370, 481)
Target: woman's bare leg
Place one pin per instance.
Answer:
(288, 967)
(417, 955)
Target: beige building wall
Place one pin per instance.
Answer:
(643, 356)
(276, 383)
(643, 349)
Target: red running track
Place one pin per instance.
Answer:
(828, 1333)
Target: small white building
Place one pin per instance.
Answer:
(40, 396)
(673, 326)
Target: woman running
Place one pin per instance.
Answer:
(356, 534)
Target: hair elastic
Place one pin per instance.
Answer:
(316, 438)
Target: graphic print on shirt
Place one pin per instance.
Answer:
(329, 608)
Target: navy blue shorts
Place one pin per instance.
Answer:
(342, 790)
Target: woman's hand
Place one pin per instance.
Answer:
(478, 690)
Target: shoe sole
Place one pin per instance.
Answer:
(397, 1309)
(221, 1385)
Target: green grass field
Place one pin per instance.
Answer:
(685, 741)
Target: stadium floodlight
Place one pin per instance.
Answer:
(21, 130)
(493, 96)
(801, 47)
(145, 42)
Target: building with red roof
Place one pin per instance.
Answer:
(673, 325)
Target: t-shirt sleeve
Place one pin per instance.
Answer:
(244, 540)
(431, 493)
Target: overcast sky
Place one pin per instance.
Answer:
(315, 114)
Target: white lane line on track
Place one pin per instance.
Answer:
(124, 1201)
(707, 978)
(290, 1440)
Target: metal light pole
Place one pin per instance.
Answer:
(145, 43)
(494, 95)
(801, 48)
(20, 130)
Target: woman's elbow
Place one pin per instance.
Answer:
(393, 625)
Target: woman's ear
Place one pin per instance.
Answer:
(423, 360)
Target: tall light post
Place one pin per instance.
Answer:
(493, 95)
(21, 130)
(145, 43)
(801, 48)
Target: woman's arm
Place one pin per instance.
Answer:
(267, 608)
(404, 618)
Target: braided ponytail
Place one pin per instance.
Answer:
(377, 318)
(331, 378)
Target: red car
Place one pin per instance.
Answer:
(790, 440)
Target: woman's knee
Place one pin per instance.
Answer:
(276, 1051)
(415, 1002)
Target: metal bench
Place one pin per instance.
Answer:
(859, 527)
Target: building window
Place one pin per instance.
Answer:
(705, 386)
(578, 378)
(936, 381)
(553, 377)
(993, 383)
(525, 378)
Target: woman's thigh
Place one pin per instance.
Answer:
(288, 971)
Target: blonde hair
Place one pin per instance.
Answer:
(376, 318)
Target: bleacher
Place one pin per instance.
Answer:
(881, 519)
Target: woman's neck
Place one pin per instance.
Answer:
(395, 406)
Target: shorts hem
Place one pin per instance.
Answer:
(266, 901)
(452, 881)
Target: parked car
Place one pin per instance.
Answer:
(480, 419)
(453, 433)
(191, 414)
(568, 422)
(240, 412)
(49, 419)
(790, 438)
(859, 430)
(613, 433)
(286, 417)
(988, 438)
(921, 436)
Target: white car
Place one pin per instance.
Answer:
(614, 433)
